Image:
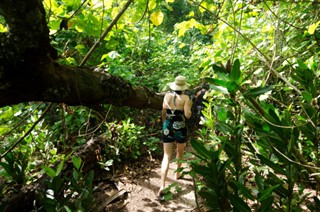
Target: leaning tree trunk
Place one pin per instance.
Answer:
(28, 71)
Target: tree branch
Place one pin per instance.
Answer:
(104, 34)
(27, 133)
(265, 58)
(275, 15)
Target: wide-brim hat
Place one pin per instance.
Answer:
(179, 84)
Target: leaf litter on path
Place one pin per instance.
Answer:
(140, 183)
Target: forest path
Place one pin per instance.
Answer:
(144, 196)
(141, 184)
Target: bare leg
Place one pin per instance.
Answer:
(180, 152)
(167, 155)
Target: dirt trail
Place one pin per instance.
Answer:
(144, 198)
(141, 193)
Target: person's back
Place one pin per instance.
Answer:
(178, 101)
(176, 108)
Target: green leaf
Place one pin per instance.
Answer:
(9, 169)
(258, 91)
(217, 68)
(75, 175)
(271, 164)
(265, 127)
(72, 3)
(76, 162)
(152, 4)
(157, 18)
(266, 204)
(219, 89)
(212, 202)
(224, 127)
(232, 86)
(56, 184)
(7, 114)
(235, 71)
(211, 196)
(312, 28)
(267, 193)
(168, 196)
(239, 204)
(204, 171)
(89, 179)
(49, 171)
(178, 170)
(200, 149)
(243, 190)
(60, 166)
(307, 96)
(4, 129)
(302, 65)
(216, 81)
(259, 180)
(67, 208)
(165, 3)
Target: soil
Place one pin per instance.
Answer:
(135, 189)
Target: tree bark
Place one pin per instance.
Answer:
(28, 71)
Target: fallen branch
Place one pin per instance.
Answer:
(111, 199)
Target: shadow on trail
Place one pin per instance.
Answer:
(144, 198)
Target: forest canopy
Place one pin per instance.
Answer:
(70, 68)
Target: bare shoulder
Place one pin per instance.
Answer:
(185, 97)
(167, 95)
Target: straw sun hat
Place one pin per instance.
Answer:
(179, 84)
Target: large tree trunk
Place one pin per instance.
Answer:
(28, 71)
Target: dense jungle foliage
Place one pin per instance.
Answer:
(257, 147)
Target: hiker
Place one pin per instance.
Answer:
(176, 108)
(200, 100)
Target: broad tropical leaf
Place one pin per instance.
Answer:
(157, 18)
